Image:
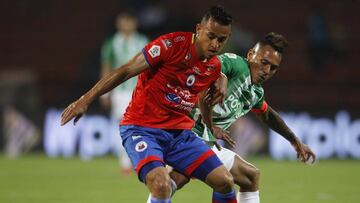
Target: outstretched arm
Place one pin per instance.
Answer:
(105, 100)
(272, 119)
(117, 76)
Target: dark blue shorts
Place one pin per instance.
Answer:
(181, 149)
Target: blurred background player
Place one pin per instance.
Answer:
(115, 52)
(156, 130)
(244, 94)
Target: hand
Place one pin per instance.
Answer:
(220, 133)
(217, 93)
(304, 153)
(76, 109)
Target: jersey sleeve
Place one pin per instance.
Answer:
(107, 52)
(261, 106)
(160, 50)
(230, 65)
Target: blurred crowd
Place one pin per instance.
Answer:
(65, 52)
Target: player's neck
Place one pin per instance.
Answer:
(199, 53)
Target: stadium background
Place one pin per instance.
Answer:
(50, 54)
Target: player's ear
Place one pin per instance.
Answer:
(250, 53)
(198, 28)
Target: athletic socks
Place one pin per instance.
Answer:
(248, 197)
(224, 198)
(155, 200)
(173, 187)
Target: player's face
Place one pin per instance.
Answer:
(264, 61)
(126, 24)
(211, 38)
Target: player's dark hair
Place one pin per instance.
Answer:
(126, 15)
(276, 41)
(219, 14)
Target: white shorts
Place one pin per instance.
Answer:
(226, 156)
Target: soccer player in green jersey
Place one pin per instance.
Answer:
(115, 52)
(244, 94)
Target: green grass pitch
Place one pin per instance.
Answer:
(38, 179)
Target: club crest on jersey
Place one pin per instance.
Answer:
(190, 80)
(154, 51)
(141, 146)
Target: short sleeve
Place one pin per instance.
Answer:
(261, 106)
(159, 51)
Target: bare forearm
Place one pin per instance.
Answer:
(116, 77)
(106, 84)
(273, 120)
(105, 69)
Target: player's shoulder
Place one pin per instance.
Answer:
(108, 41)
(178, 37)
(107, 45)
(233, 60)
(141, 36)
(232, 57)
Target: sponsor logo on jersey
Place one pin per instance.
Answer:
(173, 98)
(154, 51)
(197, 70)
(180, 103)
(190, 80)
(185, 94)
(179, 38)
(140, 146)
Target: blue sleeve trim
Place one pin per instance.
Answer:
(146, 58)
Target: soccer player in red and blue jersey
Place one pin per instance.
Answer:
(156, 130)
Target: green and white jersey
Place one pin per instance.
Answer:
(242, 96)
(117, 51)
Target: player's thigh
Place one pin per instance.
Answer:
(226, 156)
(220, 179)
(190, 156)
(141, 147)
(244, 173)
(179, 178)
